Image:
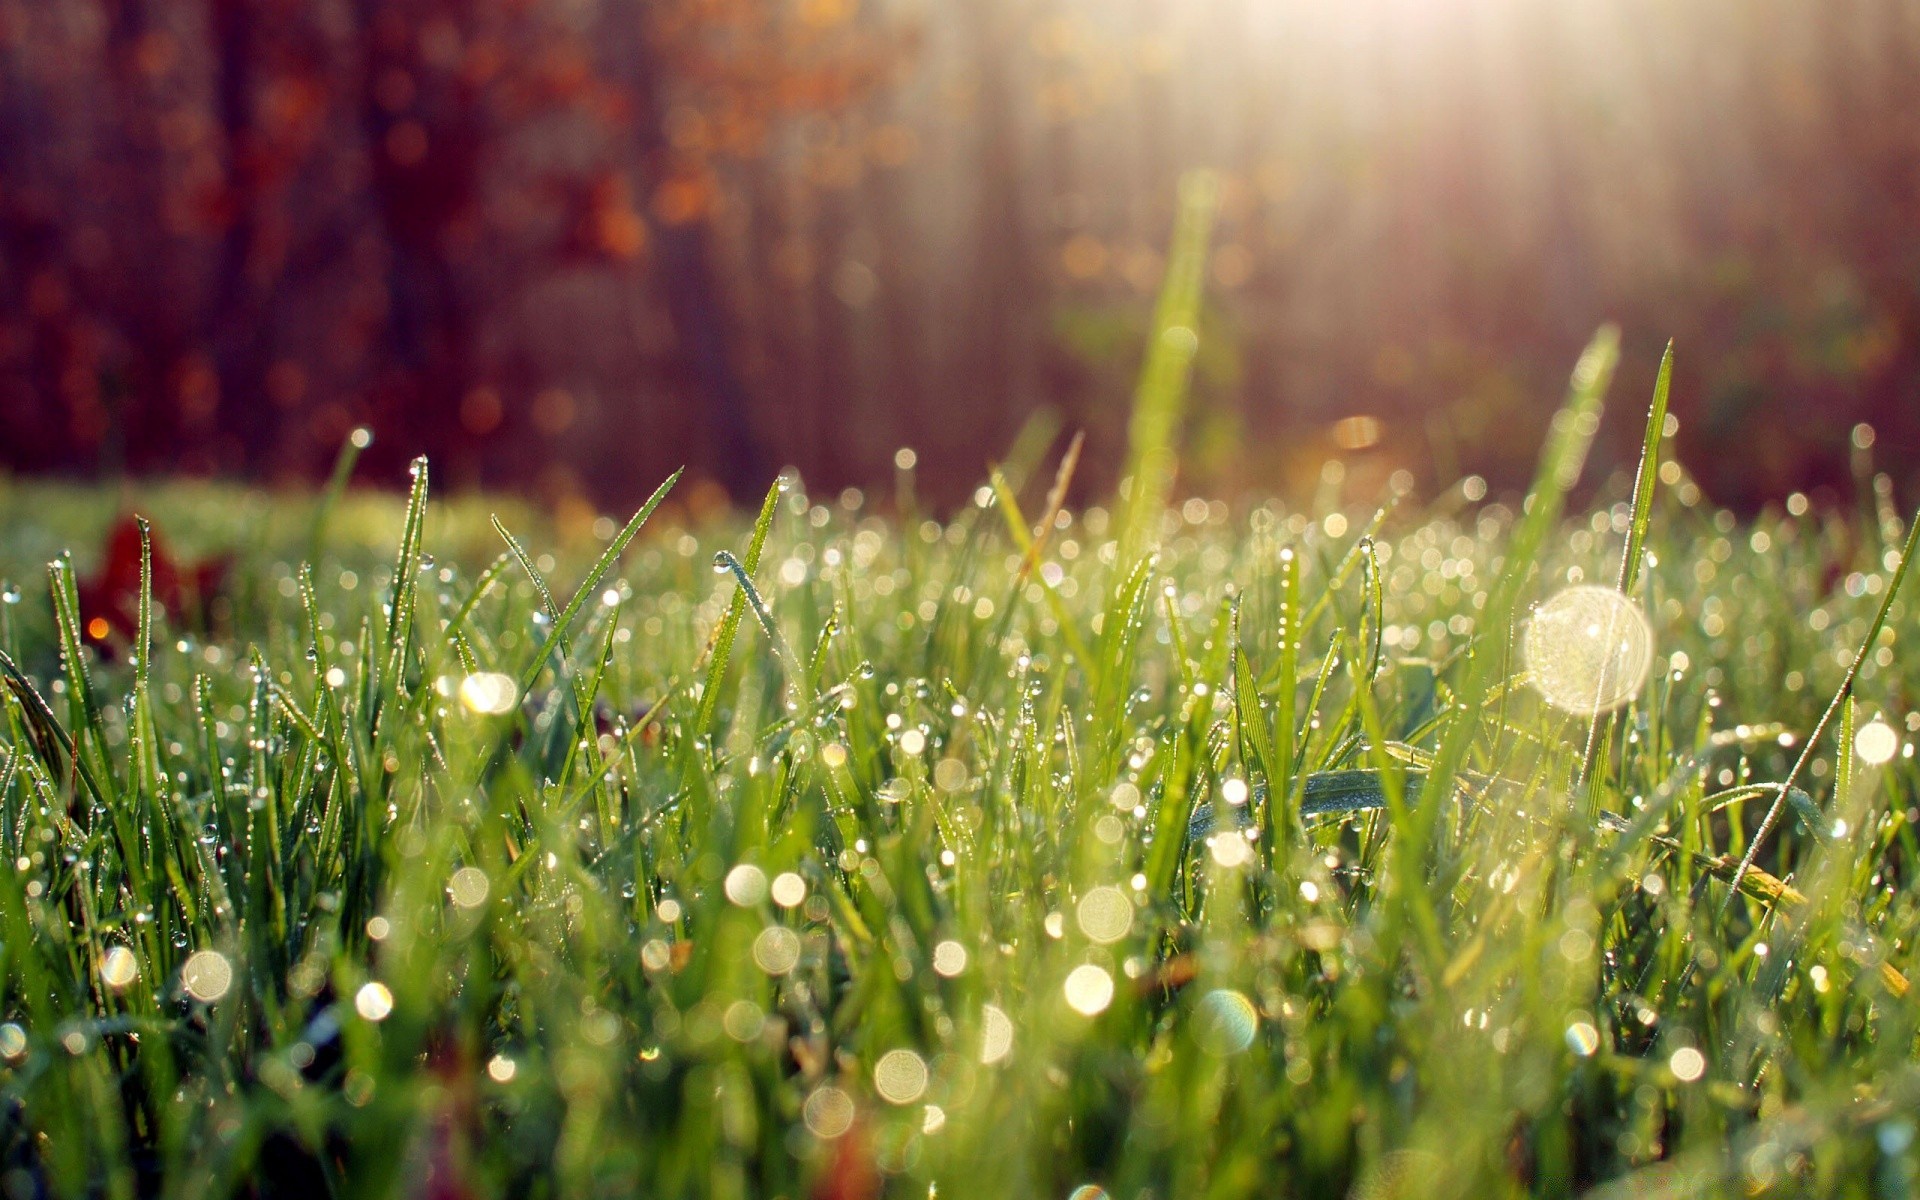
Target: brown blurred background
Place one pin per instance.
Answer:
(563, 246)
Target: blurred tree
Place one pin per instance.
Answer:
(570, 245)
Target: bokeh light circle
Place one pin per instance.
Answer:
(900, 1076)
(1224, 1022)
(996, 1034)
(1104, 914)
(1089, 990)
(1588, 649)
(1876, 743)
(828, 1112)
(777, 950)
(206, 975)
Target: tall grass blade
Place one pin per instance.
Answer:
(1644, 478)
(722, 646)
(343, 465)
(1160, 399)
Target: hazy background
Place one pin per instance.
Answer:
(566, 245)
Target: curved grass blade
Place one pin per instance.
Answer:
(1560, 466)
(608, 557)
(1839, 698)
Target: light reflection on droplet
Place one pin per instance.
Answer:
(1224, 1022)
(489, 693)
(776, 950)
(119, 968)
(206, 975)
(828, 1112)
(1583, 1039)
(469, 887)
(1687, 1064)
(373, 1001)
(1104, 914)
(1230, 849)
(1089, 989)
(950, 774)
(900, 1076)
(949, 958)
(996, 1034)
(1588, 649)
(743, 1020)
(788, 889)
(746, 885)
(1876, 743)
(13, 1041)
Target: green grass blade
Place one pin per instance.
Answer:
(736, 608)
(611, 555)
(1160, 400)
(1840, 697)
(1646, 475)
(343, 465)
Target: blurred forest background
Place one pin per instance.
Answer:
(566, 245)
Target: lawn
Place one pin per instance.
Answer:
(1145, 850)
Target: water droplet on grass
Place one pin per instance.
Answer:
(119, 968)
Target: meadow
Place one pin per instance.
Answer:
(1150, 849)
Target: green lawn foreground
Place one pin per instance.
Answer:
(1154, 852)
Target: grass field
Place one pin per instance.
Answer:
(1167, 851)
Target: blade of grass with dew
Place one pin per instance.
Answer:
(406, 569)
(611, 555)
(1565, 455)
(1644, 477)
(722, 646)
(1029, 547)
(1844, 693)
(539, 581)
(1055, 505)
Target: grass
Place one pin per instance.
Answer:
(981, 861)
